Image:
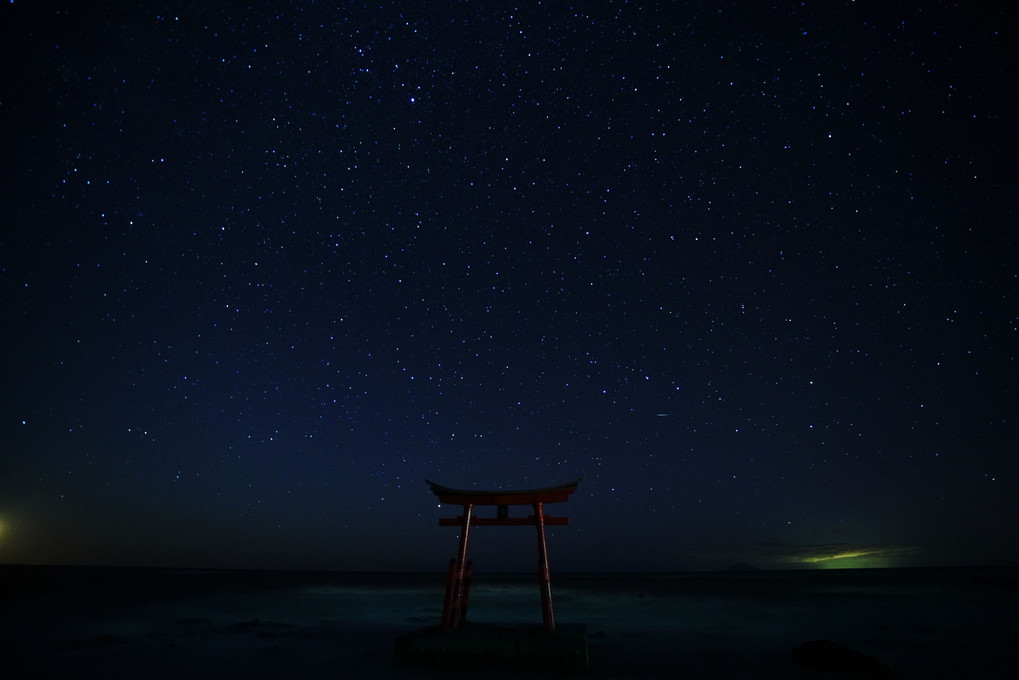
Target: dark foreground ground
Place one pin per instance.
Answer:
(73, 622)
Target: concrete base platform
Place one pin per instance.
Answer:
(496, 647)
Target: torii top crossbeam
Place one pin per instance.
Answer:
(551, 494)
(455, 608)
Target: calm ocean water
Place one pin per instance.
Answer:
(103, 622)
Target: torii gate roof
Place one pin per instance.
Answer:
(550, 494)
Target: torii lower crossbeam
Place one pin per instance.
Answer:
(454, 610)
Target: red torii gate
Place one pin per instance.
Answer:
(454, 609)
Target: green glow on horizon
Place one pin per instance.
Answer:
(838, 556)
(860, 562)
(852, 559)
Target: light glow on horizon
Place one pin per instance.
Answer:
(858, 558)
(839, 556)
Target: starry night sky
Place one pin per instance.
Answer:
(750, 270)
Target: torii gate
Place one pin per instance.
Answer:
(454, 609)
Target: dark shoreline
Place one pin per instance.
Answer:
(75, 575)
(110, 622)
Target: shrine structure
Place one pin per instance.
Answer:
(457, 643)
(454, 610)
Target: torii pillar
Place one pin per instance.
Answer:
(454, 611)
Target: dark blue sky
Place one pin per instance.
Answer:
(749, 270)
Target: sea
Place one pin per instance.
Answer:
(105, 622)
